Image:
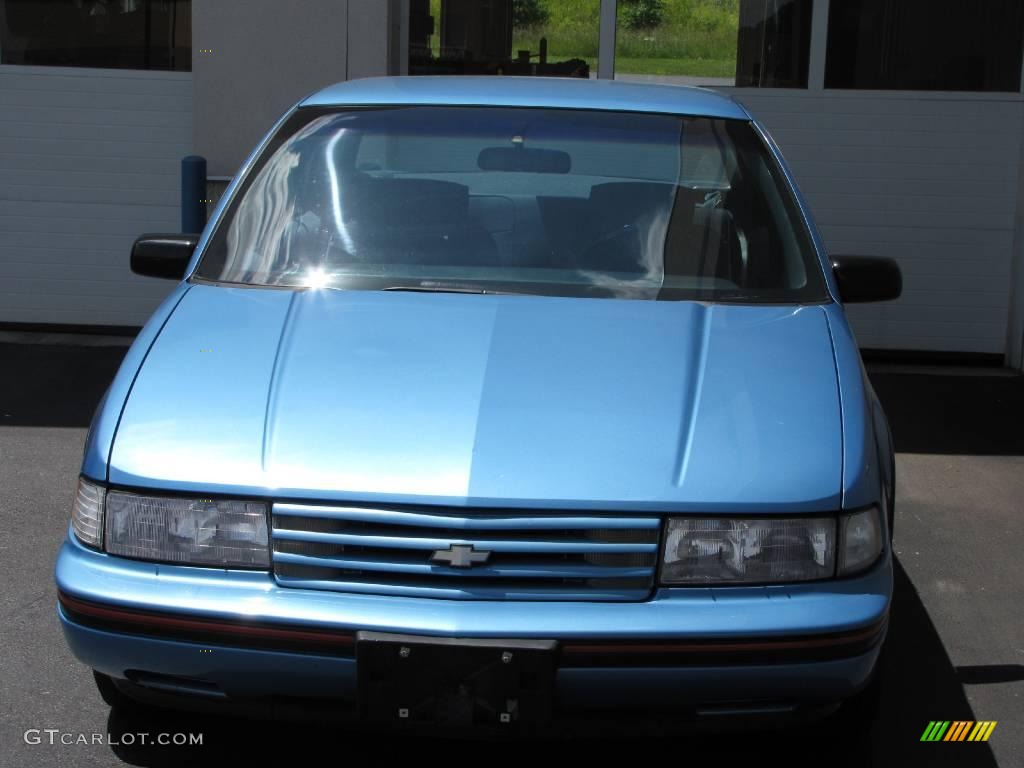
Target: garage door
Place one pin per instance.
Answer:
(928, 179)
(89, 159)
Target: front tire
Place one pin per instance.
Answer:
(111, 696)
(891, 490)
(862, 710)
(114, 697)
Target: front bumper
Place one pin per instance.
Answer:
(236, 637)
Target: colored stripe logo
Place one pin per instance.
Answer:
(958, 730)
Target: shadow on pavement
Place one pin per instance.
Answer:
(991, 673)
(54, 385)
(920, 685)
(953, 414)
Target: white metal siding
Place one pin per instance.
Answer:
(266, 54)
(89, 159)
(929, 179)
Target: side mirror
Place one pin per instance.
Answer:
(867, 278)
(163, 255)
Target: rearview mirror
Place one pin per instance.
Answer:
(523, 160)
(867, 278)
(163, 255)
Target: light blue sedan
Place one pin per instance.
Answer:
(481, 400)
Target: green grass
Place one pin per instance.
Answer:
(676, 66)
(696, 37)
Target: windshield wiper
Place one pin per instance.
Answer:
(444, 289)
(747, 297)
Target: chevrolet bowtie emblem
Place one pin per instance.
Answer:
(460, 556)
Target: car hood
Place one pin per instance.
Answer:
(486, 400)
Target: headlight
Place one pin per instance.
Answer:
(187, 531)
(722, 550)
(87, 513)
(860, 540)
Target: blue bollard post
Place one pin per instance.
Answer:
(193, 194)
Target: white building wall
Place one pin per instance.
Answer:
(89, 159)
(928, 179)
(1015, 331)
(251, 61)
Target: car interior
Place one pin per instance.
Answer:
(517, 213)
(612, 228)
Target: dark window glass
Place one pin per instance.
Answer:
(746, 43)
(554, 38)
(539, 201)
(925, 45)
(121, 34)
(774, 43)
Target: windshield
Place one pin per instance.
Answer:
(518, 200)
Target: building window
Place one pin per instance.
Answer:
(503, 37)
(925, 45)
(746, 43)
(120, 34)
(774, 43)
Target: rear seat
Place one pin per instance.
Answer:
(416, 220)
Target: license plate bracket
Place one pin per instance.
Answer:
(415, 680)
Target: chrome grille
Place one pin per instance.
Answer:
(531, 555)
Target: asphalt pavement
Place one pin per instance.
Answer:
(957, 632)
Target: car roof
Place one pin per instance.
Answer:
(554, 92)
